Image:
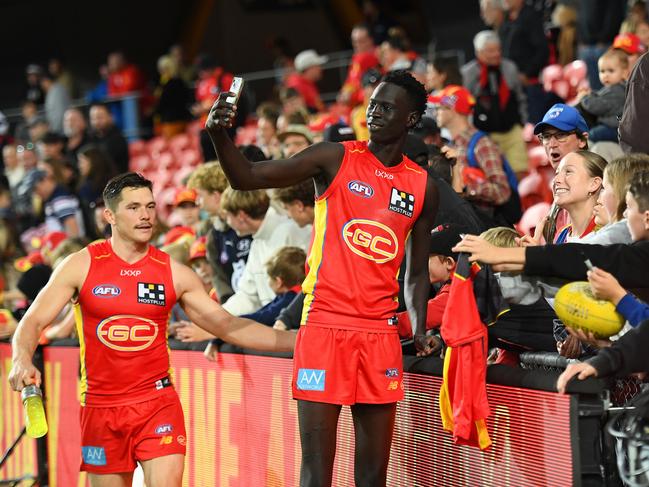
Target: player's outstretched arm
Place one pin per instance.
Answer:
(417, 283)
(210, 316)
(64, 282)
(323, 158)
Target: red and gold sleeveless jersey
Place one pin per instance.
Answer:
(122, 315)
(361, 225)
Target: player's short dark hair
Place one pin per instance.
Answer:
(112, 194)
(416, 91)
(639, 189)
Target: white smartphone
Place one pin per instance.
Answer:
(236, 88)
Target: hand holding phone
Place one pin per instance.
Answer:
(235, 88)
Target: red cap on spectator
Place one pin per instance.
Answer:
(52, 240)
(455, 97)
(184, 195)
(178, 233)
(629, 43)
(23, 264)
(198, 250)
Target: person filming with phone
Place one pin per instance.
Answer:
(373, 207)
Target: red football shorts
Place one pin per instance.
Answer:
(339, 366)
(114, 438)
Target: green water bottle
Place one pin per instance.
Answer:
(34, 413)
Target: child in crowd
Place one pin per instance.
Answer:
(441, 264)
(528, 324)
(285, 273)
(607, 287)
(606, 104)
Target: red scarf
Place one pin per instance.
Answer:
(503, 88)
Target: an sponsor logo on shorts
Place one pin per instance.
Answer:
(402, 202)
(181, 440)
(370, 240)
(392, 373)
(150, 293)
(359, 188)
(106, 291)
(164, 428)
(394, 321)
(93, 455)
(311, 379)
(130, 272)
(393, 385)
(127, 333)
(167, 440)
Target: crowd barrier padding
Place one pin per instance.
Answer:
(242, 429)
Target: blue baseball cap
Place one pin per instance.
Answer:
(562, 117)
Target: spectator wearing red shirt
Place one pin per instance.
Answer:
(123, 77)
(308, 67)
(363, 59)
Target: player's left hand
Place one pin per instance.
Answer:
(427, 345)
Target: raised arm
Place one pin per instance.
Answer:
(63, 284)
(321, 159)
(417, 283)
(210, 316)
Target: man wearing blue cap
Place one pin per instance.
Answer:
(562, 130)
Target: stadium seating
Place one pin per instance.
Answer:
(531, 217)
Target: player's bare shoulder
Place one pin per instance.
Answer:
(73, 269)
(184, 278)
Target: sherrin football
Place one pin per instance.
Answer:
(577, 307)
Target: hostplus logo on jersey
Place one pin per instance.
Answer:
(402, 202)
(359, 188)
(148, 293)
(311, 379)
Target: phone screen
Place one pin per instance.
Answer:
(235, 88)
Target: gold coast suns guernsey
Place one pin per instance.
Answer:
(360, 229)
(122, 315)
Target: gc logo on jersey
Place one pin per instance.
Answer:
(106, 291)
(371, 240)
(127, 333)
(151, 293)
(402, 202)
(359, 188)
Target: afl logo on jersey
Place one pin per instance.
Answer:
(127, 333)
(106, 291)
(371, 240)
(360, 188)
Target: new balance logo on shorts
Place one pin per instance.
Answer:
(151, 293)
(402, 202)
(93, 455)
(311, 379)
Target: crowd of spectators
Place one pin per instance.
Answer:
(523, 139)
